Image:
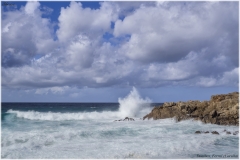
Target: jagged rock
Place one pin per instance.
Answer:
(221, 109)
(213, 113)
(206, 132)
(126, 119)
(197, 132)
(215, 132)
(228, 132)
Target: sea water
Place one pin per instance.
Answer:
(89, 130)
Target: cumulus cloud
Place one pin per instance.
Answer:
(168, 43)
(227, 78)
(31, 7)
(75, 19)
(78, 54)
(25, 34)
(169, 32)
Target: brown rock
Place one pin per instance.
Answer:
(197, 132)
(228, 132)
(206, 132)
(213, 113)
(221, 109)
(181, 105)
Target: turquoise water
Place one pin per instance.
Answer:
(88, 130)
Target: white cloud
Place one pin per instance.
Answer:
(207, 82)
(31, 7)
(27, 33)
(167, 33)
(169, 44)
(75, 20)
(42, 91)
(79, 53)
(54, 90)
(74, 95)
(6, 28)
(228, 78)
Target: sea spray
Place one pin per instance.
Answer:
(130, 106)
(96, 135)
(133, 105)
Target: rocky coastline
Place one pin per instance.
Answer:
(221, 109)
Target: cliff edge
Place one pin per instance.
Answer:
(222, 109)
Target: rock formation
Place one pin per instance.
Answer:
(126, 119)
(221, 109)
(215, 132)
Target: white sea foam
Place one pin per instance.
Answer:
(57, 116)
(100, 139)
(130, 106)
(94, 135)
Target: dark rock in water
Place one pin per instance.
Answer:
(118, 120)
(125, 119)
(228, 132)
(206, 132)
(224, 130)
(197, 132)
(129, 119)
(215, 132)
(235, 133)
(220, 109)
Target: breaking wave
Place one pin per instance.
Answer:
(130, 106)
(34, 115)
(133, 105)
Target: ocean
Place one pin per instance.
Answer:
(89, 130)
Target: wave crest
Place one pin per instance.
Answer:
(133, 105)
(130, 106)
(57, 116)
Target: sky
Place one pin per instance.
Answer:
(98, 51)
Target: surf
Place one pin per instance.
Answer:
(132, 105)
